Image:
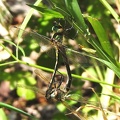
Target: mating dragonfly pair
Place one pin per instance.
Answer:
(54, 90)
(60, 50)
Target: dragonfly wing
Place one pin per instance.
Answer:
(40, 38)
(45, 43)
(46, 77)
(74, 57)
(42, 77)
(34, 39)
(84, 104)
(83, 101)
(85, 59)
(73, 111)
(33, 88)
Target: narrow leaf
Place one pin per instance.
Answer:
(47, 11)
(74, 9)
(114, 14)
(101, 34)
(14, 109)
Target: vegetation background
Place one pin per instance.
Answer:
(92, 24)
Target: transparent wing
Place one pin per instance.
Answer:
(73, 111)
(66, 98)
(38, 37)
(84, 58)
(81, 107)
(34, 39)
(33, 88)
(46, 79)
(83, 101)
(81, 57)
(40, 75)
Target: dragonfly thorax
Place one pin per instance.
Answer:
(57, 38)
(57, 28)
(56, 42)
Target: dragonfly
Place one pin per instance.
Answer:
(56, 42)
(59, 94)
(60, 50)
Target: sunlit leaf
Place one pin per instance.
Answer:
(47, 11)
(101, 34)
(74, 9)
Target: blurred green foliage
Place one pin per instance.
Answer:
(86, 14)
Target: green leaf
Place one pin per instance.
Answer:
(101, 34)
(2, 115)
(14, 109)
(47, 11)
(74, 9)
(23, 90)
(25, 93)
(112, 66)
(111, 10)
(60, 7)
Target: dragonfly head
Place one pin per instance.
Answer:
(57, 28)
(55, 93)
(50, 93)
